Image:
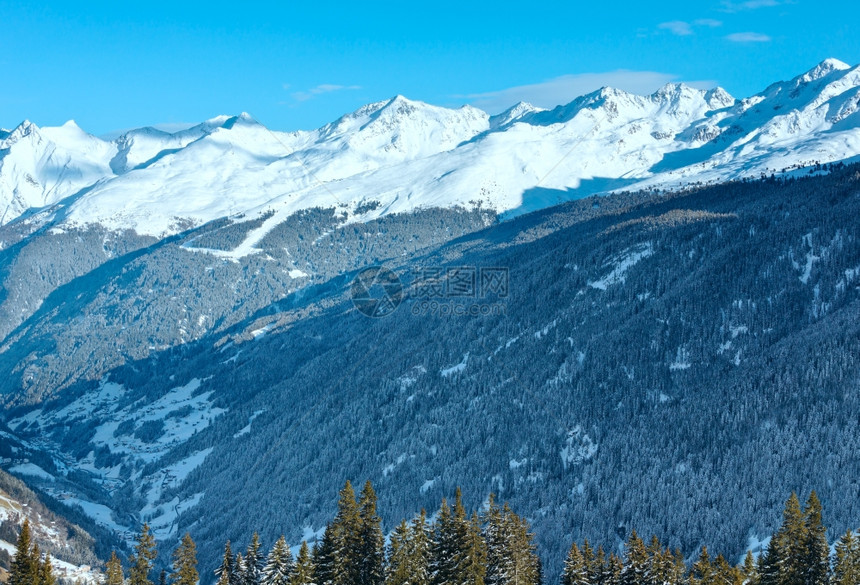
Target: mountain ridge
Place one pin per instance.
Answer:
(157, 183)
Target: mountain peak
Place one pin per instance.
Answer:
(718, 98)
(676, 91)
(834, 64)
(823, 69)
(243, 119)
(611, 92)
(25, 128)
(402, 104)
(400, 99)
(513, 114)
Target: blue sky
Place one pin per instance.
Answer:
(117, 65)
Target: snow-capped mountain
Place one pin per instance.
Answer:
(405, 155)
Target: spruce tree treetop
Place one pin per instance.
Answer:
(846, 568)
(371, 546)
(113, 570)
(225, 571)
(140, 563)
(303, 574)
(46, 572)
(575, 571)
(20, 571)
(35, 563)
(253, 566)
(185, 563)
(817, 555)
(279, 564)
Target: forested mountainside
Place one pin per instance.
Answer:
(669, 362)
(74, 541)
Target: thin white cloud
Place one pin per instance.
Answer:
(731, 6)
(683, 28)
(748, 37)
(677, 27)
(564, 89)
(303, 96)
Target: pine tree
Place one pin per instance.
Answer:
(635, 571)
(783, 562)
(347, 538)
(703, 571)
(140, 563)
(443, 550)
(525, 566)
(725, 573)
(225, 571)
(303, 573)
(597, 564)
(399, 559)
(371, 546)
(21, 569)
(450, 550)
(612, 570)
(662, 565)
(495, 539)
(239, 574)
(817, 555)
(279, 564)
(846, 568)
(46, 572)
(679, 568)
(419, 550)
(409, 553)
(185, 563)
(324, 557)
(474, 566)
(594, 561)
(750, 570)
(113, 570)
(511, 558)
(253, 566)
(35, 564)
(575, 569)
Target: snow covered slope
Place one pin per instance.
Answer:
(52, 533)
(404, 155)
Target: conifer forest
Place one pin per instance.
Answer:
(491, 546)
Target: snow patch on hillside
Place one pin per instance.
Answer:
(456, 368)
(619, 267)
(578, 447)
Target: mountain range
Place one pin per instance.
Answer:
(404, 155)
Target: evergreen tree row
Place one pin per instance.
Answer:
(494, 547)
(458, 548)
(798, 554)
